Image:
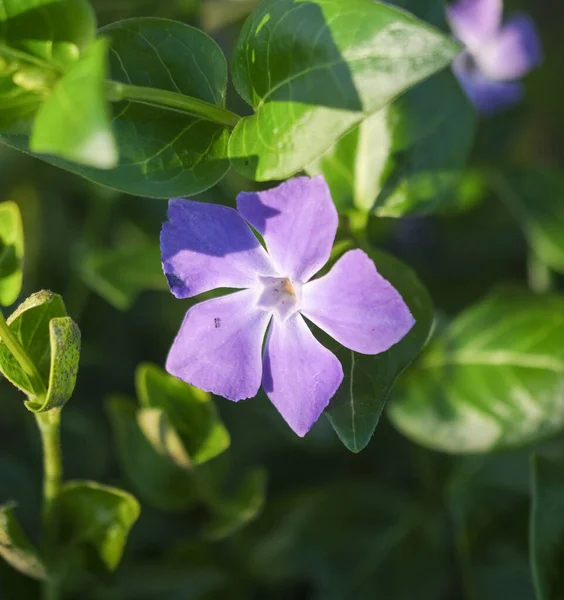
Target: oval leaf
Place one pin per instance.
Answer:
(74, 120)
(494, 379)
(355, 410)
(312, 70)
(15, 548)
(11, 252)
(97, 516)
(547, 528)
(191, 415)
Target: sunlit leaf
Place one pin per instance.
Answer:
(11, 252)
(493, 379)
(313, 70)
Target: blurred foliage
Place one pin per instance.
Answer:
(396, 521)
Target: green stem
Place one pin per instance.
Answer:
(539, 275)
(121, 91)
(22, 357)
(49, 427)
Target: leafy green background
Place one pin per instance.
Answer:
(399, 520)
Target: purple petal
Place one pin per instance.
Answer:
(207, 246)
(475, 21)
(488, 96)
(298, 222)
(515, 51)
(357, 306)
(300, 375)
(218, 347)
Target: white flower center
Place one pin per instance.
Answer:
(280, 295)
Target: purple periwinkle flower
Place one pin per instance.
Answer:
(496, 54)
(219, 347)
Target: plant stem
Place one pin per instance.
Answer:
(22, 357)
(121, 91)
(538, 275)
(49, 427)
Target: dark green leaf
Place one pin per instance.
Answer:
(312, 70)
(52, 341)
(547, 528)
(406, 158)
(355, 410)
(232, 513)
(39, 40)
(156, 479)
(493, 379)
(163, 152)
(11, 252)
(98, 516)
(74, 121)
(15, 548)
(120, 275)
(186, 425)
(537, 198)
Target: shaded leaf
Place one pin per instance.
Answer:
(15, 548)
(312, 70)
(547, 528)
(230, 514)
(186, 417)
(11, 252)
(156, 479)
(493, 379)
(120, 275)
(537, 198)
(99, 516)
(74, 122)
(355, 410)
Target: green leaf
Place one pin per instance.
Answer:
(74, 121)
(547, 528)
(406, 158)
(155, 478)
(537, 199)
(15, 548)
(120, 275)
(355, 410)
(39, 40)
(11, 252)
(188, 429)
(52, 341)
(493, 379)
(312, 70)
(98, 516)
(233, 513)
(163, 152)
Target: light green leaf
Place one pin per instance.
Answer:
(355, 410)
(406, 158)
(52, 341)
(11, 252)
(493, 379)
(547, 528)
(537, 198)
(190, 417)
(120, 275)
(233, 513)
(98, 516)
(156, 479)
(15, 548)
(312, 70)
(163, 152)
(74, 121)
(39, 40)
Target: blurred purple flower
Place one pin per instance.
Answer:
(496, 54)
(220, 344)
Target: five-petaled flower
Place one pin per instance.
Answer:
(496, 54)
(220, 344)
